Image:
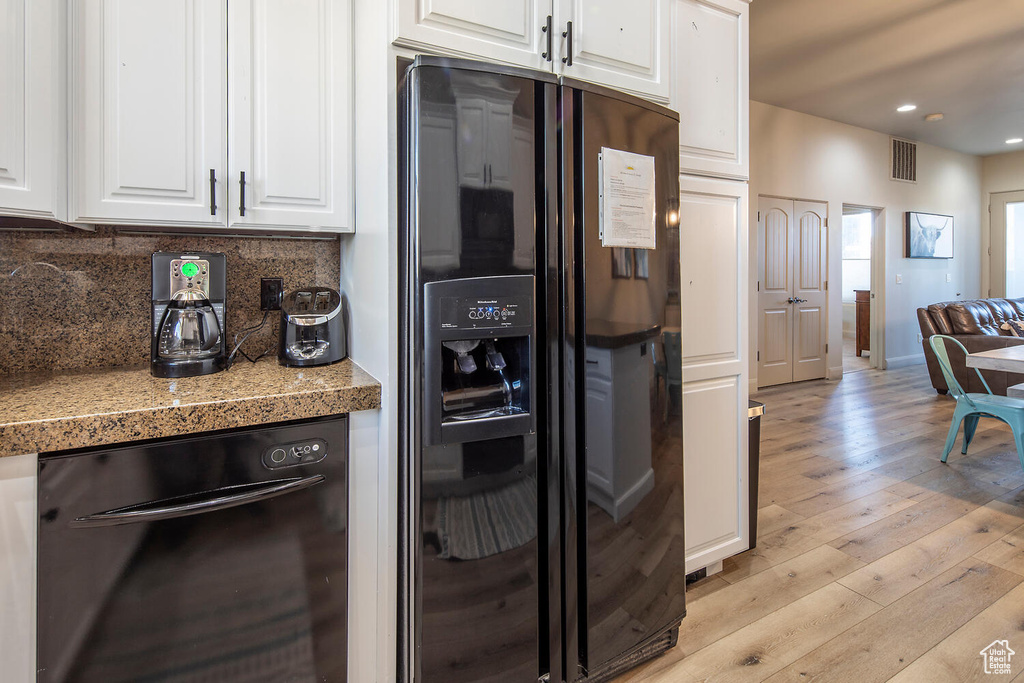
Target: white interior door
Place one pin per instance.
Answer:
(1007, 239)
(774, 293)
(792, 313)
(809, 262)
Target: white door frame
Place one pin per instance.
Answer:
(997, 202)
(876, 317)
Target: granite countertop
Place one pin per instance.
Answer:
(42, 412)
(606, 334)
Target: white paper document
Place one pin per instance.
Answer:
(627, 199)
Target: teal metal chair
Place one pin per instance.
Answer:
(972, 407)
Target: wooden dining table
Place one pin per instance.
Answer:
(1007, 359)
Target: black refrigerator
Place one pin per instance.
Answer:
(540, 441)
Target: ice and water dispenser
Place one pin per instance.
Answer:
(478, 358)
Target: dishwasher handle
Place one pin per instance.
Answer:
(196, 503)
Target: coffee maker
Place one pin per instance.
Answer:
(188, 309)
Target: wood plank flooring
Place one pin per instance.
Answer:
(874, 561)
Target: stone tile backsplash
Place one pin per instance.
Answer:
(76, 299)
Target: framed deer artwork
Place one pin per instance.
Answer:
(929, 235)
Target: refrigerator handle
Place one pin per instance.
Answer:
(567, 34)
(546, 28)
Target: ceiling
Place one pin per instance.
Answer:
(855, 61)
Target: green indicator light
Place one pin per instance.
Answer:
(189, 269)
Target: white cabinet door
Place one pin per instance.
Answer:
(18, 566)
(290, 114)
(623, 45)
(148, 121)
(710, 85)
(496, 30)
(32, 109)
(713, 262)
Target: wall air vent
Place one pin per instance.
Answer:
(904, 160)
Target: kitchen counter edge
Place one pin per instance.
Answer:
(45, 412)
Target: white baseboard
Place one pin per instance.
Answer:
(834, 372)
(904, 361)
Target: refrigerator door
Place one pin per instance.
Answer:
(627, 478)
(474, 377)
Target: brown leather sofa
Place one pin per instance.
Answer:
(976, 325)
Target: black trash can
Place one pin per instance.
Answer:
(754, 412)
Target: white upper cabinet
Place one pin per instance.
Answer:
(495, 30)
(148, 112)
(157, 141)
(32, 109)
(622, 45)
(710, 86)
(288, 114)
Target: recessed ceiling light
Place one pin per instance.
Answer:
(934, 117)
(1014, 141)
(907, 107)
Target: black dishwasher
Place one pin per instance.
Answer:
(214, 557)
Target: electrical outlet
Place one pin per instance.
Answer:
(271, 289)
(949, 278)
(899, 279)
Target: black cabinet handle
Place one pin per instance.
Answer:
(213, 192)
(547, 29)
(241, 195)
(196, 504)
(567, 34)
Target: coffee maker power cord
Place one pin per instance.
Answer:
(238, 344)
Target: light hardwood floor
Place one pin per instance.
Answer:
(874, 561)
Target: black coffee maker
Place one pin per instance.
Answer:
(188, 308)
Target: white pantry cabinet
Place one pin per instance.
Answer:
(710, 86)
(33, 109)
(713, 246)
(173, 102)
(617, 44)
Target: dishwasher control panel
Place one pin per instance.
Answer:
(295, 453)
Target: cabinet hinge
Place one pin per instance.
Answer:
(990, 251)
(759, 355)
(990, 208)
(826, 285)
(826, 222)
(759, 285)
(758, 216)
(826, 348)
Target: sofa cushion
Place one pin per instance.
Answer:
(940, 317)
(973, 317)
(1002, 311)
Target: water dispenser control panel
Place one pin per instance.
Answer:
(483, 312)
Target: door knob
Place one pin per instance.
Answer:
(791, 300)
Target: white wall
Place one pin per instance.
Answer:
(806, 157)
(999, 173)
